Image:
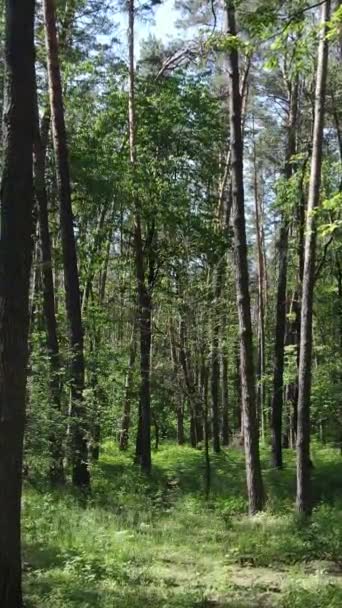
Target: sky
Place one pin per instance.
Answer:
(164, 27)
(161, 24)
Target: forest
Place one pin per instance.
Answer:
(171, 304)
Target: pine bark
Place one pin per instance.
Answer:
(278, 368)
(261, 295)
(251, 440)
(144, 286)
(79, 447)
(40, 145)
(224, 384)
(126, 417)
(304, 501)
(218, 274)
(15, 264)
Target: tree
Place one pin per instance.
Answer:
(80, 470)
(15, 264)
(278, 368)
(253, 467)
(304, 504)
(40, 145)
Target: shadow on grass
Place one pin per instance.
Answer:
(177, 468)
(180, 471)
(41, 557)
(61, 593)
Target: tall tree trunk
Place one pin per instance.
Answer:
(180, 423)
(205, 377)
(100, 236)
(180, 398)
(15, 263)
(304, 504)
(126, 417)
(224, 383)
(195, 405)
(218, 274)
(251, 439)
(80, 470)
(56, 439)
(278, 369)
(261, 295)
(144, 293)
(293, 333)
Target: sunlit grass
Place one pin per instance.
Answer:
(159, 542)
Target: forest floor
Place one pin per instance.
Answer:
(160, 544)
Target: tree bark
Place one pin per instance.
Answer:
(15, 264)
(56, 439)
(251, 440)
(180, 423)
(304, 503)
(181, 398)
(126, 418)
(215, 355)
(278, 368)
(225, 397)
(261, 295)
(224, 380)
(144, 290)
(79, 447)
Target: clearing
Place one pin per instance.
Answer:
(159, 543)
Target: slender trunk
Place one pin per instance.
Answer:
(304, 504)
(251, 439)
(261, 295)
(180, 424)
(80, 470)
(56, 438)
(224, 382)
(278, 371)
(238, 397)
(144, 293)
(215, 355)
(180, 401)
(126, 418)
(196, 417)
(99, 238)
(15, 264)
(156, 431)
(206, 432)
(293, 336)
(145, 315)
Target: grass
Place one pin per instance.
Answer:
(158, 542)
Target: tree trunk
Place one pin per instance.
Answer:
(261, 295)
(180, 403)
(15, 264)
(225, 397)
(304, 504)
(278, 372)
(80, 470)
(56, 439)
(145, 318)
(251, 439)
(215, 355)
(144, 293)
(180, 424)
(206, 432)
(126, 418)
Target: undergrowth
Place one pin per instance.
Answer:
(158, 541)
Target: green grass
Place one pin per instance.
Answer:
(158, 542)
